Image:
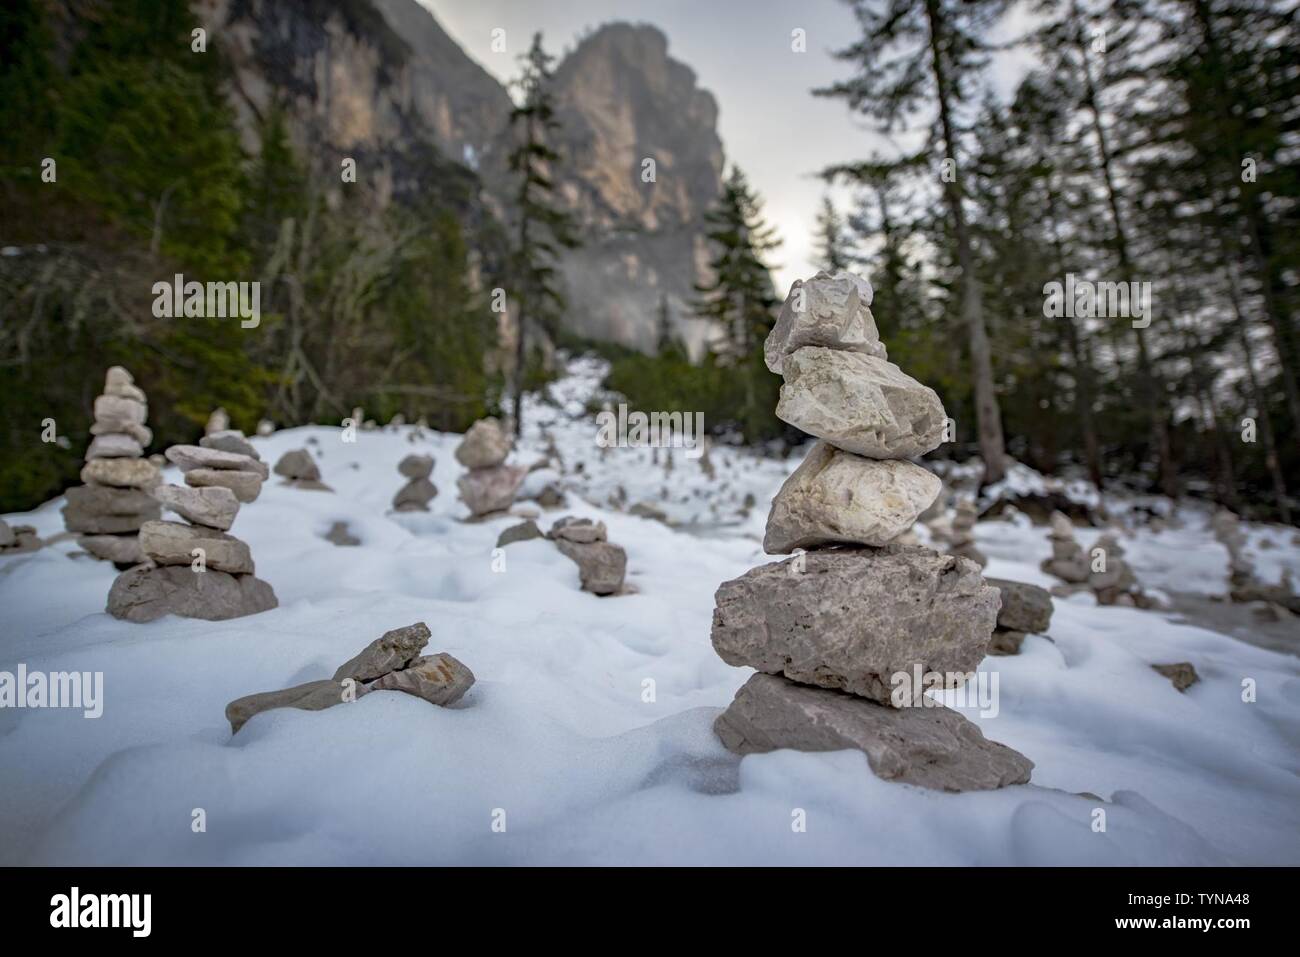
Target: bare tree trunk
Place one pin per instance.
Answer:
(988, 415)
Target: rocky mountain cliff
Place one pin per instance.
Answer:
(382, 82)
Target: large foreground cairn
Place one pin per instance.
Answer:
(114, 503)
(195, 569)
(392, 662)
(849, 636)
(419, 490)
(490, 485)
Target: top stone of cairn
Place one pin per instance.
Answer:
(831, 311)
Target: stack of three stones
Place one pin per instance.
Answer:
(847, 636)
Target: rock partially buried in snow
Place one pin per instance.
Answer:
(601, 565)
(312, 696)
(171, 543)
(339, 534)
(487, 490)
(933, 747)
(522, 532)
(835, 497)
(390, 651)
(485, 445)
(1006, 642)
(246, 485)
(230, 440)
(1182, 674)
(145, 593)
(853, 619)
(190, 457)
(860, 404)
(298, 466)
(438, 679)
(831, 311)
(214, 507)
(1025, 607)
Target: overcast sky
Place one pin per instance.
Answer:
(770, 123)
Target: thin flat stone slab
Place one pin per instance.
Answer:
(831, 311)
(312, 696)
(121, 473)
(171, 543)
(214, 507)
(246, 485)
(1025, 607)
(114, 445)
(836, 497)
(141, 433)
(439, 679)
(390, 651)
(190, 457)
(931, 747)
(117, 408)
(860, 404)
(230, 440)
(148, 592)
(118, 549)
(854, 618)
(105, 510)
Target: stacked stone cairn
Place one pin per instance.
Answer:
(300, 470)
(1026, 610)
(1102, 570)
(848, 636)
(18, 538)
(419, 490)
(602, 565)
(961, 539)
(1243, 583)
(194, 568)
(1068, 562)
(113, 504)
(392, 662)
(490, 485)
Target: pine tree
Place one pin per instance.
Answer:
(542, 228)
(739, 300)
(912, 53)
(830, 238)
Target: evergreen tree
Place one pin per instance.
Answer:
(542, 228)
(830, 238)
(739, 300)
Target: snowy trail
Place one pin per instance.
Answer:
(557, 732)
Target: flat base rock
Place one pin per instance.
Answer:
(854, 618)
(1025, 607)
(147, 592)
(931, 747)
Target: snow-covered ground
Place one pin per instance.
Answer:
(559, 732)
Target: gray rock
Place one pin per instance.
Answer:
(190, 457)
(1005, 642)
(246, 485)
(1025, 607)
(932, 747)
(415, 495)
(416, 466)
(230, 440)
(486, 490)
(214, 507)
(522, 532)
(116, 408)
(121, 473)
(8, 538)
(836, 314)
(439, 679)
(170, 543)
(298, 465)
(601, 565)
(551, 497)
(24, 539)
(147, 592)
(312, 696)
(485, 445)
(86, 501)
(218, 421)
(860, 404)
(580, 530)
(1182, 674)
(650, 511)
(339, 535)
(854, 618)
(141, 433)
(118, 549)
(835, 498)
(114, 445)
(390, 651)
